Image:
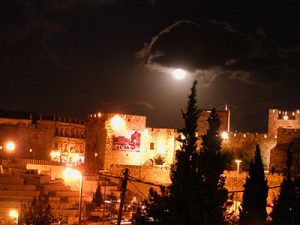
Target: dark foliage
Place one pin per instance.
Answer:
(196, 194)
(286, 209)
(253, 208)
(97, 197)
(39, 212)
(211, 164)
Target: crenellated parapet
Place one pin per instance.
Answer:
(283, 119)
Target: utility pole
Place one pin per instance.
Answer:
(123, 191)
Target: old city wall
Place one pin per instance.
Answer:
(224, 117)
(283, 119)
(154, 142)
(279, 153)
(32, 140)
(131, 123)
(160, 142)
(161, 175)
(37, 140)
(242, 146)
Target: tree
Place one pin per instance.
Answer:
(211, 165)
(184, 210)
(39, 212)
(97, 197)
(286, 209)
(253, 208)
(196, 194)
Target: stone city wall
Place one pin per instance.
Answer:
(161, 175)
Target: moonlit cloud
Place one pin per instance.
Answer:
(145, 53)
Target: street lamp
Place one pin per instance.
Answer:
(14, 215)
(73, 175)
(10, 146)
(238, 161)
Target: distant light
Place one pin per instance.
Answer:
(117, 123)
(10, 146)
(72, 174)
(285, 117)
(14, 215)
(179, 74)
(224, 135)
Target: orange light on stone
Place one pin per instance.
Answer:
(225, 135)
(72, 174)
(10, 146)
(117, 123)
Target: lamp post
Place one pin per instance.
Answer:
(238, 161)
(14, 215)
(73, 175)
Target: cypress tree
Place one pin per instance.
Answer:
(39, 212)
(97, 197)
(286, 209)
(183, 189)
(211, 163)
(253, 208)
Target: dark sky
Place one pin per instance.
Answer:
(74, 57)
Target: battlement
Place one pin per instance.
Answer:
(283, 119)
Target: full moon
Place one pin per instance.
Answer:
(179, 74)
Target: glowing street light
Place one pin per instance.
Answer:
(14, 215)
(73, 175)
(224, 135)
(179, 74)
(238, 161)
(10, 146)
(117, 123)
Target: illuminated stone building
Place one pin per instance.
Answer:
(125, 139)
(283, 119)
(37, 136)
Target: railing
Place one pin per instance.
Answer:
(36, 161)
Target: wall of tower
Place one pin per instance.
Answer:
(242, 146)
(130, 144)
(224, 117)
(283, 119)
(278, 155)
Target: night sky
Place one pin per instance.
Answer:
(74, 57)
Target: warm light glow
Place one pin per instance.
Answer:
(285, 117)
(10, 146)
(146, 132)
(179, 74)
(72, 174)
(117, 123)
(224, 135)
(54, 154)
(14, 214)
(238, 161)
(161, 148)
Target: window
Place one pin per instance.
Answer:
(152, 146)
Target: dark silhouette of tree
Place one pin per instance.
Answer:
(286, 209)
(185, 206)
(253, 208)
(211, 165)
(196, 194)
(97, 197)
(39, 212)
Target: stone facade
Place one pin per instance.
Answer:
(224, 117)
(242, 146)
(283, 119)
(37, 136)
(107, 145)
(279, 152)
